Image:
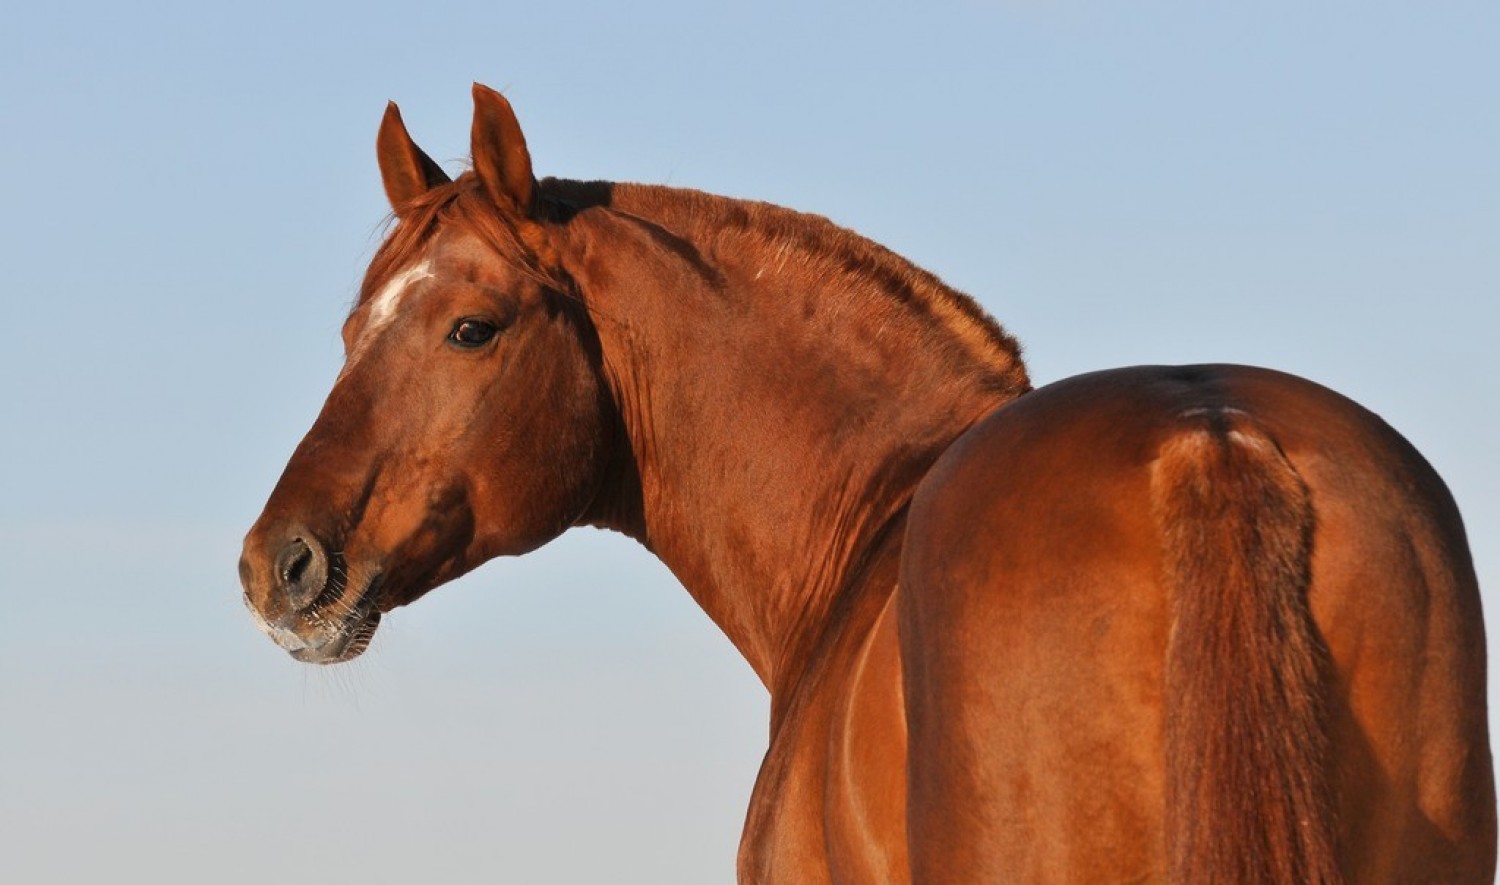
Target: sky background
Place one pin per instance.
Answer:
(188, 197)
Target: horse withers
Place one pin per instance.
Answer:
(1191, 624)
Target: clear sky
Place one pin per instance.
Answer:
(188, 196)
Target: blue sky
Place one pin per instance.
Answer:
(189, 199)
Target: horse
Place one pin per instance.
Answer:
(1161, 623)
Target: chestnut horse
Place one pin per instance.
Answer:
(1189, 624)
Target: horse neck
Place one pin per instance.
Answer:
(782, 386)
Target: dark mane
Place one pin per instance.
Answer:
(834, 253)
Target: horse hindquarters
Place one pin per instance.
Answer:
(1033, 633)
(1315, 569)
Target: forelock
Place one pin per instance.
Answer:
(459, 203)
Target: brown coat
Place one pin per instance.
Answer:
(1190, 624)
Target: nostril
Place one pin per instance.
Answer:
(294, 561)
(301, 571)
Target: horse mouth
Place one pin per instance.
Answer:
(342, 627)
(348, 641)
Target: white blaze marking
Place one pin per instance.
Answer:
(385, 303)
(383, 308)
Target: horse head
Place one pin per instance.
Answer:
(469, 420)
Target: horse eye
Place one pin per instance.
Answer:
(472, 333)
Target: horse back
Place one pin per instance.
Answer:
(1140, 608)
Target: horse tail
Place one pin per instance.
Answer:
(1248, 787)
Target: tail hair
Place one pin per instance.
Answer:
(1248, 782)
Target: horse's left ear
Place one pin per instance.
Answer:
(499, 152)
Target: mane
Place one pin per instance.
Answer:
(833, 252)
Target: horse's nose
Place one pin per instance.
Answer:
(282, 573)
(301, 570)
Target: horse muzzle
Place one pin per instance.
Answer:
(306, 599)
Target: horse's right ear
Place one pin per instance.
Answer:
(405, 169)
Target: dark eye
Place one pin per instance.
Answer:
(472, 332)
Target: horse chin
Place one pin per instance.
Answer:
(348, 643)
(335, 628)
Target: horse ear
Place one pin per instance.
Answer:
(499, 152)
(405, 169)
